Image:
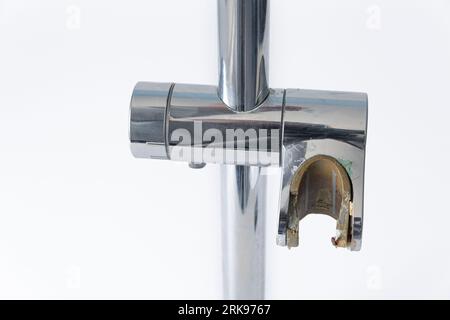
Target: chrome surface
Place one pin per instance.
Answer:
(318, 138)
(324, 123)
(243, 85)
(243, 52)
(202, 129)
(147, 120)
(243, 231)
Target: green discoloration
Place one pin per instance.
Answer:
(347, 164)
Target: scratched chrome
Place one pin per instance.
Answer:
(325, 123)
(311, 123)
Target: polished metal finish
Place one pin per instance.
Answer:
(319, 114)
(202, 129)
(318, 123)
(243, 85)
(243, 52)
(147, 119)
(243, 232)
(186, 122)
(318, 138)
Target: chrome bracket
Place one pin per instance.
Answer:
(317, 138)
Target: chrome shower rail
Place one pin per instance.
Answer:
(316, 137)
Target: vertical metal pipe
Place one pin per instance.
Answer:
(243, 85)
(243, 52)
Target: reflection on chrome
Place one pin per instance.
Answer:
(317, 138)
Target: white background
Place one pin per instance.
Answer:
(81, 218)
